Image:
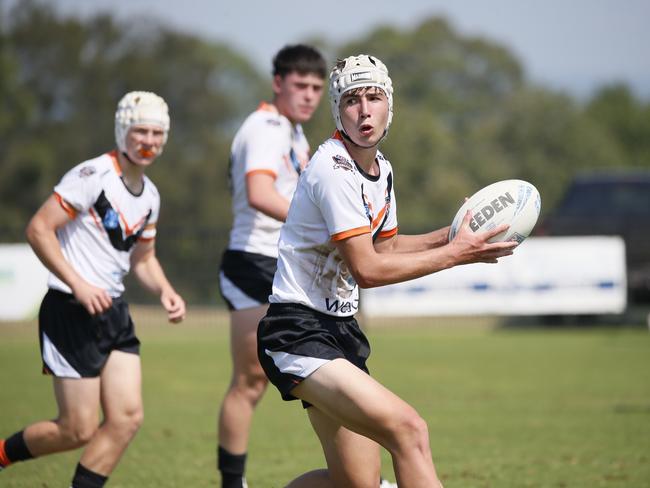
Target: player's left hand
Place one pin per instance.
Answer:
(174, 304)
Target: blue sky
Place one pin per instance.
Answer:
(572, 45)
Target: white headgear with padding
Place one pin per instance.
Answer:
(358, 72)
(140, 107)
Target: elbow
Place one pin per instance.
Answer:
(257, 203)
(32, 231)
(366, 279)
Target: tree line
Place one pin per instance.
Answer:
(465, 115)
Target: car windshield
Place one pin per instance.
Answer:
(609, 198)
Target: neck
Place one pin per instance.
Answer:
(282, 110)
(364, 157)
(131, 173)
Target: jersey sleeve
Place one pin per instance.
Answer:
(79, 188)
(341, 201)
(266, 147)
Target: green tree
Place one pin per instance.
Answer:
(626, 120)
(61, 80)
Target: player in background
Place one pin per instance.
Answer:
(341, 233)
(99, 223)
(268, 154)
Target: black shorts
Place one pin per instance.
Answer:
(246, 279)
(75, 344)
(293, 341)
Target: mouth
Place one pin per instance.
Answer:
(146, 153)
(365, 129)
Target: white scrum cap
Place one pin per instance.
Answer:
(357, 72)
(139, 107)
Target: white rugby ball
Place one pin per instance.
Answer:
(513, 202)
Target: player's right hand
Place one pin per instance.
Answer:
(94, 299)
(471, 247)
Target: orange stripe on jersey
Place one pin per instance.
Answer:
(69, 209)
(145, 239)
(388, 233)
(350, 233)
(337, 135)
(116, 162)
(95, 218)
(130, 230)
(269, 172)
(380, 216)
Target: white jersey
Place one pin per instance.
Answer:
(106, 222)
(266, 142)
(335, 200)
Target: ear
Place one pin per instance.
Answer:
(277, 84)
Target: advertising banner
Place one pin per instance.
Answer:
(23, 282)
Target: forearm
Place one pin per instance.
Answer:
(46, 246)
(421, 242)
(389, 268)
(151, 276)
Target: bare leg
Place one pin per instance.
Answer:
(352, 460)
(318, 478)
(121, 400)
(356, 401)
(77, 421)
(247, 384)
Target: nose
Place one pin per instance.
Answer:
(310, 93)
(149, 138)
(364, 107)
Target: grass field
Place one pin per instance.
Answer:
(506, 406)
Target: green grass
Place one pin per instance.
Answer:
(506, 407)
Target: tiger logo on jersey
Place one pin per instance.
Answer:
(87, 171)
(343, 163)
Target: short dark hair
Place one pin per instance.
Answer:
(300, 58)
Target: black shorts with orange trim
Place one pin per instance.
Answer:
(293, 341)
(75, 344)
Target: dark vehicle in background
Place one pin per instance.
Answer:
(610, 204)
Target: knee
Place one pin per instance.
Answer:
(127, 423)
(409, 431)
(250, 385)
(77, 434)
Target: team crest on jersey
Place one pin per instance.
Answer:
(343, 163)
(87, 171)
(111, 220)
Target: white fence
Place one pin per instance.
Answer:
(546, 275)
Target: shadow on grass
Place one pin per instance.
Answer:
(636, 316)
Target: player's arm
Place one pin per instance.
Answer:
(400, 243)
(263, 196)
(149, 272)
(371, 268)
(41, 235)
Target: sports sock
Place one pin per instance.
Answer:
(85, 478)
(14, 449)
(232, 468)
(4, 460)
